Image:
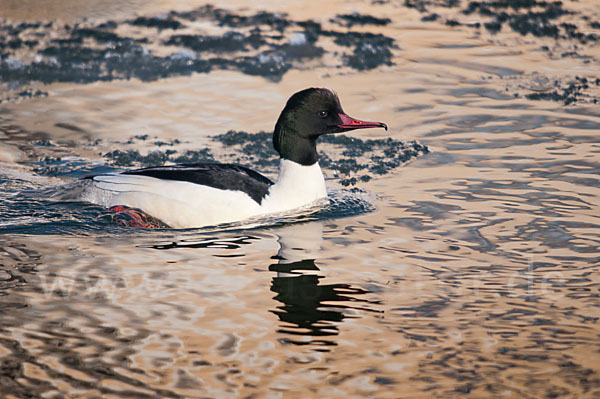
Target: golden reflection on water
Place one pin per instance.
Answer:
(476, 276)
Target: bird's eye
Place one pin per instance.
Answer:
(323, 114)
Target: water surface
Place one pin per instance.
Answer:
(469, 271)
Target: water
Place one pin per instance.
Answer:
(468, 271)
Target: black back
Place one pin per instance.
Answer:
(221, 176)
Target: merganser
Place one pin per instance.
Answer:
(197, 195)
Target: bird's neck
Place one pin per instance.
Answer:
(300, 148)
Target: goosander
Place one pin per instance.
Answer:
(196, 195)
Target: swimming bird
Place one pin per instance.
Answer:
(196, 195)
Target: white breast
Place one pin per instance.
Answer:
(297, 186)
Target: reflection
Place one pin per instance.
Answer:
(210, 242)
(308, 308)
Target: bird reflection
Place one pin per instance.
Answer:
(307, 307)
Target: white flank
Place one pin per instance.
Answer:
(182, 204)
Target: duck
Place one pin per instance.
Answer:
(209, 194)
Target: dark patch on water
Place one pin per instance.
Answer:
(229, 42)
(154, 22)
(256, 148)
(573, 91)
(430, 17)
(355, 18)
(381, 156)
(538, 18)
(97, 34)
(58, 167)
(275, 21)
(370, 50)
(422, 5)
(25, 94)
(85, 52)
(158, 157)
(133, 157)
(519, 16)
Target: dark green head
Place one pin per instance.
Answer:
(307, 115)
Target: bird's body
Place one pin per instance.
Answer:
(174, 200)
(198, 195)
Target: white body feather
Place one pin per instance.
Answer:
(182, 204)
